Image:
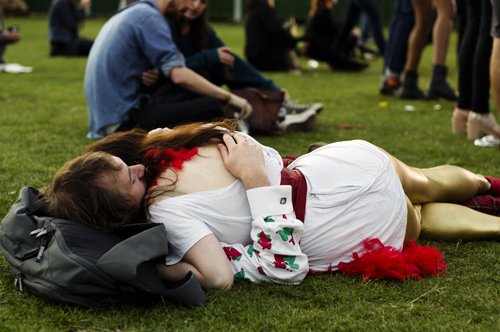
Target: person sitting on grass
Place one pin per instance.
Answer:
(65, 20)
(207, 54)
(232, 211)
(132, 42)
(10, 36)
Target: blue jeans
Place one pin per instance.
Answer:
(399, 31)
(241, 75)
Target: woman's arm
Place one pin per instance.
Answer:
(274, 254)
(191, 81)
(207, 261)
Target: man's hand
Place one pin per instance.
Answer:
(243, 104)
(150, 77)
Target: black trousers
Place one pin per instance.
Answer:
(168, 109)
(474, 58)
(80, 47)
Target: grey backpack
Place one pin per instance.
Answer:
(73, 263)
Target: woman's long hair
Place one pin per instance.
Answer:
(199, 28)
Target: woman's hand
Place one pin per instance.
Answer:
(244, 159)
(242, 104)
(226, 56)
(150, 77)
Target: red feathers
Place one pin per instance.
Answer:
(170, 157)
(381, 262)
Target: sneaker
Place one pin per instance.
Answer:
(487, 141)
(304, 121)
(389, 86)
(294, 108)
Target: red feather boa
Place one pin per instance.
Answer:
(381, 262)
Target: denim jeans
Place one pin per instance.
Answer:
(399, 31)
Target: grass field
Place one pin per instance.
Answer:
(43, 122)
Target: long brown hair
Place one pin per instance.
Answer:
(77, 193)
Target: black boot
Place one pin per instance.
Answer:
(439, 87)
(409, 89)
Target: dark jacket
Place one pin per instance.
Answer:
(64, 20)
(267, 42)
(321, 28)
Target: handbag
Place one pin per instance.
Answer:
(266, 105)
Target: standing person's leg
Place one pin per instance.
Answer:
(416, 44)
(396, 48)
(495, 55)
(370, 9)
(2, 51)
(465, 67)
(439, 86)
(481, 121)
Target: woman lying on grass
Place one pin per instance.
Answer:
(232, 211)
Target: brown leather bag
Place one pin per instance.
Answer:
(266, 105)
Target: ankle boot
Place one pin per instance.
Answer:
(409, 89)
(439, 87)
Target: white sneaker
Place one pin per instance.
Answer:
(303, 121)
(487, 141)
(293, 107)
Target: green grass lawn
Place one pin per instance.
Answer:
(43, 122)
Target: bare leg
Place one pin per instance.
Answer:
(445, 183)
(442, 30)
(418, 36)
(444, 221)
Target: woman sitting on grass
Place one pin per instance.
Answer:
(207, 55)
(232, 211)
